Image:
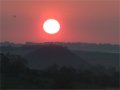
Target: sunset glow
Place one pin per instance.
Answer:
(77, 21)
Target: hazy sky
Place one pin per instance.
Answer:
(94, 21)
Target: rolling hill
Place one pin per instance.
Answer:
(48, 55)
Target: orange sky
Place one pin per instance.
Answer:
(94, 21)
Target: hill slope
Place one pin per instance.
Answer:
(48, 55)
(107, 60)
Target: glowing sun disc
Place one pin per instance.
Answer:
(51, 26)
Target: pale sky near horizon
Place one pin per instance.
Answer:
(92, 21)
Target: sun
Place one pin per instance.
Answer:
(51, 26)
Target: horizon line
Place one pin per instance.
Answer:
(30, 42)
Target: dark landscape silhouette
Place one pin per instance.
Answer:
(56, 66)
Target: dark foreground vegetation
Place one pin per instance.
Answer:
(16, 75)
